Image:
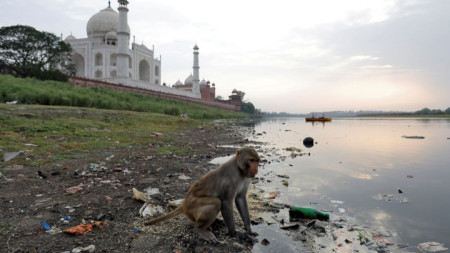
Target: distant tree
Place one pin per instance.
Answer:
(27, 52)
(248, 107)
(436, 111)
(447, 110)
(424, 111)
(219, 98)
(242, 94)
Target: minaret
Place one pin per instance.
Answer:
(196, 69)
(123, 38)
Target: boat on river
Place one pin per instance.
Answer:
(317, 119)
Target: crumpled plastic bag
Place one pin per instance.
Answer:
(84, 228)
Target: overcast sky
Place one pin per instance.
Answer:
(293, 56)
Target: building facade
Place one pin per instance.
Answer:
(106, 54)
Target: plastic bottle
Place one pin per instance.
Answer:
(307, 213)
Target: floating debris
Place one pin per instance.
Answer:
(413, 137)
(431, 246)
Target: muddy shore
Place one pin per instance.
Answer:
(102, 183)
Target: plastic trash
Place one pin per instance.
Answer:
(150, 210)
(80, 229)
(432, 246)
(74, 189)
(307, 213)
(46, 226)
(90, 248)
(140, 196)
(176, 203)
(54, 231)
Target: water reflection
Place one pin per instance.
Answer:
(356, 159)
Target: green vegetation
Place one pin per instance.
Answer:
(27, 52)
(57, 132)
(32, 91)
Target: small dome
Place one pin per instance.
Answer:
(178, 83)
(202, 82)
(234, 91)
(196, 47)
(70, 37)
(111, 36)
(189, 80)
(105, 21)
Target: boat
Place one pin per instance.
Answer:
(319, 119)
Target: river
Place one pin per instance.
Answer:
(364, 169)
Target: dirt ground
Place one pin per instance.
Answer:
(31, 195)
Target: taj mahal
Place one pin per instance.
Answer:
(106, 55)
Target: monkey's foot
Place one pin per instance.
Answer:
(206, 235)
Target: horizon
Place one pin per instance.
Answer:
(292, 56)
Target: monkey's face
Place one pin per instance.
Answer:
(252, 167)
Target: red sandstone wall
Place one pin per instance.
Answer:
(84, 82)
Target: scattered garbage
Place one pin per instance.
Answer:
(184, 177)
(283, 176)
(84, 228)
(54, 231)
(149, 210)
(137, 230)
(74, 189)
(308, 142)
(145, 196)
(12, 155)
(140, 196)
(12, 102)
(158, 134)
(88, 249)
(413, 137)
(431, 246)
(287, 226)
(46, 226)
(391, 198)
(307, 213)
(176, 203)
(272, 195)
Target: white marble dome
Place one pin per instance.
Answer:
(70, 37)
(101, 23)
(189, 80)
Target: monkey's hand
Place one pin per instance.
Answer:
(250, 232)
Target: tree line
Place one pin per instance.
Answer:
(27, 52)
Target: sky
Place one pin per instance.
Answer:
(293, 56)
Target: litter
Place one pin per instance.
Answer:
(54, 231)
(84, 228)
(46, 226)
(74, 189)
(431, 246)
(140, 196)
(413, 137)
(272, 195)
(184, 177)
(150, 210)
(176, 203)
(12, 102)
(11, 155)
(307, 213)
(337, 202)
(90, 248)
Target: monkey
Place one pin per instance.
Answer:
(215, 192)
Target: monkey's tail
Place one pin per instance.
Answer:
(177, 211)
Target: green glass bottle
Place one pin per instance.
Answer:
(307, 213)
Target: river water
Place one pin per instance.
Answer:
(365, 169)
